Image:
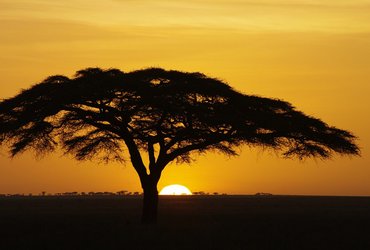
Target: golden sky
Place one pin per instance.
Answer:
(312, 53)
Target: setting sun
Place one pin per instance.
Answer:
(175, 190)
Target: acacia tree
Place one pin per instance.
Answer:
(162, 115)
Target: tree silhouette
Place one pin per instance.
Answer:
(159, 114)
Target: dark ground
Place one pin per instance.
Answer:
(194, 222)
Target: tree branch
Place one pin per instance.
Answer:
(151, 154)
(135, 155)
(196, 146)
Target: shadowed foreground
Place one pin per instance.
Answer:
(194, 222)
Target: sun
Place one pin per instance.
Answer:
(175, 190)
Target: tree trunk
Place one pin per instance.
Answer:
(150, 205)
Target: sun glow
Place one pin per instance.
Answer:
(175, 190)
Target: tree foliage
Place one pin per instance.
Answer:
(168, 114)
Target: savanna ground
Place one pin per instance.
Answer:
(186, 222)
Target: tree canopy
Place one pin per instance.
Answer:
(98, 111)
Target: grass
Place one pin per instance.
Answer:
(186, 222)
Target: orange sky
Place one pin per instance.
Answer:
(314, 54)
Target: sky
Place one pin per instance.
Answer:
(313, 54)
